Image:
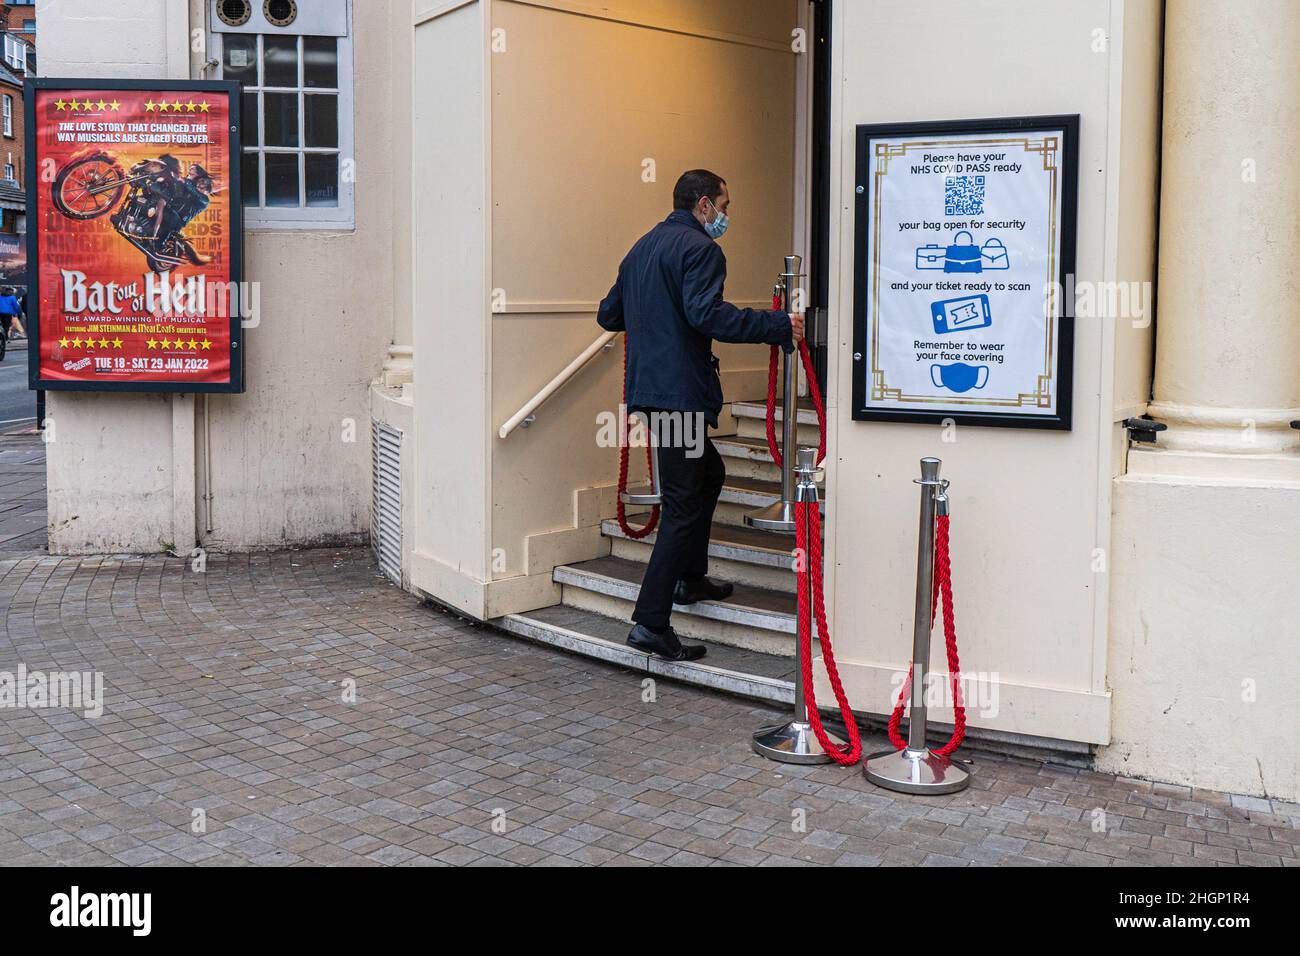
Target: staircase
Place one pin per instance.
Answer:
(751, 635)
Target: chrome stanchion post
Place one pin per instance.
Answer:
(780, 516)
(794, 740)
(654, 495)
(915, 768)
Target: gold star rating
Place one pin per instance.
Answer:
(166, 345)
(103, 343)
(207, 345)
(175, 107)
(64, 342)
(76, 343)
(60, 105)
(115, 106)
(117, 343)
(90, 344)
(152, 343)
(102, 106)
(74, 106)
(86, 106)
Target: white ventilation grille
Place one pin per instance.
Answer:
(386, 513)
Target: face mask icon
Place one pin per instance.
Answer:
(959, 377)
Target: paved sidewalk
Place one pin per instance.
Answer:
(225, 694)
(22, 494)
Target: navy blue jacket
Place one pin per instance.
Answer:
(668, 298)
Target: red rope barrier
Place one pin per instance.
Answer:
(942, 586)
(634, 533)
(807, 523)
(773, 447)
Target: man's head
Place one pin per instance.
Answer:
(200, 178)
(704, 195)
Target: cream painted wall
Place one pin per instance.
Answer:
(1029, 508)
(284, 471)
(117, 466)
(1204, 671)
(1203, 668)
(450, 304)
(122, 468)
(676, 83)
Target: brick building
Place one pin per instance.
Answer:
(20, 20)
(17, 60)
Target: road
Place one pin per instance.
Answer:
(17, 404)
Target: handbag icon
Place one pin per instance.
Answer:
(993, 254)
(963, 257)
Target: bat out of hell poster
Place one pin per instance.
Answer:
(134, 236)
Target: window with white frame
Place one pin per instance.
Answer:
(15, 52)
(296, 126)
(9, 115)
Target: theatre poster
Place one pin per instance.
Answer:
(134, 236)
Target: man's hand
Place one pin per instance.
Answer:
(796, 327)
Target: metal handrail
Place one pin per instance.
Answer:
(525, 414)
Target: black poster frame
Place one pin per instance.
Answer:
(865, 135)
(231, 89)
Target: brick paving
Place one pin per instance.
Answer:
(22, 494)
(225, 694)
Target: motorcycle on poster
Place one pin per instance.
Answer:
(134, 248)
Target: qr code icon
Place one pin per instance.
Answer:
(963, 196)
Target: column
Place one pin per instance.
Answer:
(1227, 376)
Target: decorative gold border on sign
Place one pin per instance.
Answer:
(1048, 147)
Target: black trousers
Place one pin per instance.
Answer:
(691, 474)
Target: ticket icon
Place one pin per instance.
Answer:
(961, 314)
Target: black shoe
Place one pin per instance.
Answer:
(705, 589)
(666, 645)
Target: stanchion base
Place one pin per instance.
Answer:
(632, 498)
(792, 742)
(915, 771)
(775, 517)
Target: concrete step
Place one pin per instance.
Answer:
(730, 669)
(755, 619)
(751, 421)
(747, 458)
(740, 555)
(742, 495)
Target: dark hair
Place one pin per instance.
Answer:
(695, 183)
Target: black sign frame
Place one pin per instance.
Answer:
(865, 134)
(234, 91)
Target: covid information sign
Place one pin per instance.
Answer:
(965, 237)
(134, 236)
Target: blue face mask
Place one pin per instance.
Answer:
(959, 377)
(719, 225)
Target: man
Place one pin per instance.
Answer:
(668, 299)
(10, 310)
